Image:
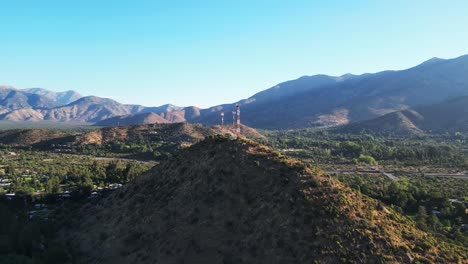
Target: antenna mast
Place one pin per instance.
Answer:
(238, 129)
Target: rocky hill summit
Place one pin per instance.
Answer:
(236, 201)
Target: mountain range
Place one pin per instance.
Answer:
(329, 101)
(310, 101)
(36, 98)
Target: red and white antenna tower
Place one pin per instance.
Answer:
(222, 119)
(238, 128)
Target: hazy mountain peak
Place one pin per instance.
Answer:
(61, 98)
(7, 87)
(432, 61)
(94, 99)
(345, 77)
(170, 107)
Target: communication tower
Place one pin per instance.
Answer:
(238, 128)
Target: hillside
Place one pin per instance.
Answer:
(27, 137)
(165, 135)
(86, 109)
(24, 114)
(137, 119)
(449, 116)
(179, 133)
(224, 201)
(13, 99)
(398, 123)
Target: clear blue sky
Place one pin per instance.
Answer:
(210, 52)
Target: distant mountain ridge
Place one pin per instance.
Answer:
(330, 101)
(62, 98)
(310, 101)
(327, 101)
(13, 99)
(136, 119)
(38, 104)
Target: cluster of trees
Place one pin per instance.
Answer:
(365, 159)
(437, 205)
(150, 150)
(30, 240)
(442, 150)
(30, 172)
(25, 240)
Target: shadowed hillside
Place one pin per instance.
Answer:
(25, 137)
(400, 123)
(450, 116)
(224, 201)
(137, 119)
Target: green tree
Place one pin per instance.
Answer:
(367, 159)
(421, 217)
(116, 171)
(53, 185)
(134, 169)
(351, 149)
(434, 223)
